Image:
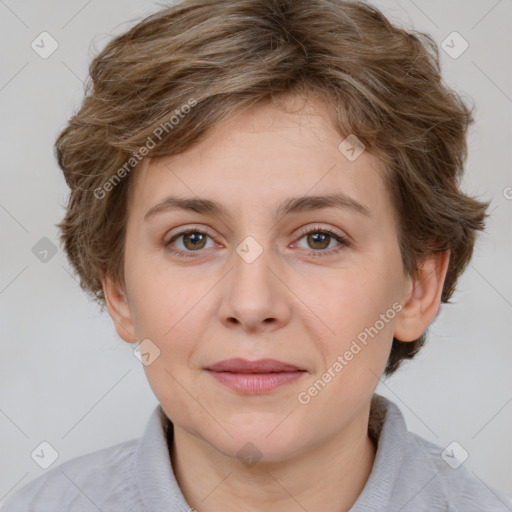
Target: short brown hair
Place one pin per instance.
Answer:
(221, 57)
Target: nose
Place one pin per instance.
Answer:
(255, 297)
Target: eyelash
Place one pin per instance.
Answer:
(326, 252)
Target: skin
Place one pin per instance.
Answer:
(288, 305)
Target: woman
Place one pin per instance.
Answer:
(264, 196)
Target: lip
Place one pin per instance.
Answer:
(254, 377)
(240, 365)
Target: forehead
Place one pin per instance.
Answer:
(261, 159)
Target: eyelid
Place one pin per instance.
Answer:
(328, 229)
(187, 229)
(302, 231)
(343, 239)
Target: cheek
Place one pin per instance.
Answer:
(160, 295)
(170, 314)
(360, 310)
(354, 299)
(171, 309)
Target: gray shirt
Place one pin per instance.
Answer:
(409, 475)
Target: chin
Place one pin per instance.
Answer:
(260, 441)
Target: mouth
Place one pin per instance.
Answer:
(254, 377)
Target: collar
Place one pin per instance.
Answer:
(160, 491)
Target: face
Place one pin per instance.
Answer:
(257, 280)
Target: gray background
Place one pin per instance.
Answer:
(65, 376)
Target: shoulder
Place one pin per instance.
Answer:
(412, 474)
(101, 480)
(462, 490)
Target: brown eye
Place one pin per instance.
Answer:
(319, 239)
(193, 240)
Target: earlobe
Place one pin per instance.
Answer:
(422, 302)
(119, 309)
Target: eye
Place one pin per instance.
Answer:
(320, 239)
(193, 241)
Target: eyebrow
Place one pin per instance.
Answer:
(291, 205)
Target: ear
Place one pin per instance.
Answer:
(119, 309)
(423, 299)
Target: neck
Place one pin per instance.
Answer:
(329, 477)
